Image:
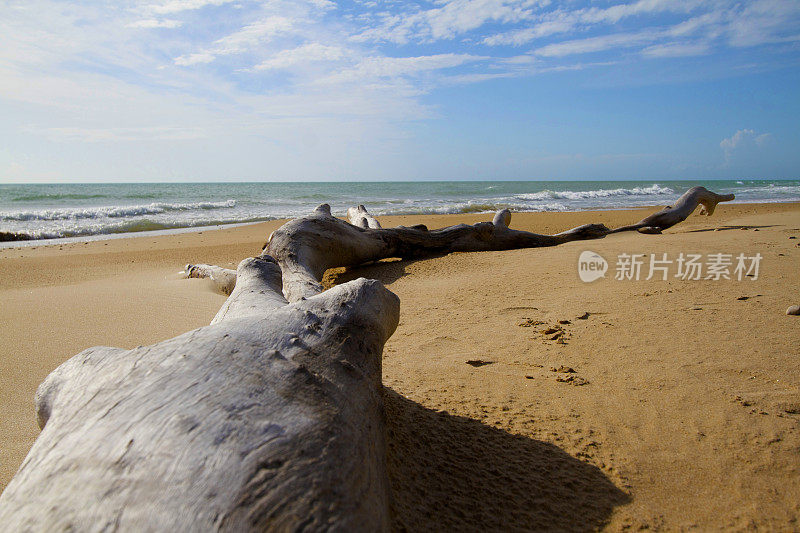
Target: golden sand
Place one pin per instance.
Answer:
(682, 409)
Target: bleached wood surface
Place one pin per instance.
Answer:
(268, 419)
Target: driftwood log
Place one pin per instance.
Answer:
(271, 417)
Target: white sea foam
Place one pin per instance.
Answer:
(112, 211)
(653, 190)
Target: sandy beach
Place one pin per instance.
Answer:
(518, 396)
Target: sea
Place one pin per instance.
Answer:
(30, 213)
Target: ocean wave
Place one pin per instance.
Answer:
(130, 226)
(112, 211)
(771, 189)
(653, 190)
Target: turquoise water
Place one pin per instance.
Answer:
(74, 210)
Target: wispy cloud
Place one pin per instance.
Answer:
(372, 68)
(307, 53)
(239, 41)
(597, 44)
(676, 50)
(177, 6)
(451, 19)
(155, 23)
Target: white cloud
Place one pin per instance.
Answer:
(676, 50)
(306, 53)
(195, 59)
(253, 34)
(453, 18)
(372, 68)
(764, 21)
(736, 139)
(176, 6)
(526, 35)
(562, 21)
(239, 41)
(744, 140)
(155, 23)
(597, 44)
(695, 24)
(615, 13)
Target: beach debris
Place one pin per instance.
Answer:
(224, 278)
(793, 310)
(792, 237)
(478, 362)
(563, 369)
(528, 377)
(584, 316)
(741, 401)
(529, 322)
(572, 380)
(743, 298)
(792, 409)
(564, 322)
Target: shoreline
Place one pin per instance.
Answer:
(665, 362)
(25, 242)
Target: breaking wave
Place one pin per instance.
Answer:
(653, 190)
(112, 211)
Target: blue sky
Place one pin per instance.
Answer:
(197, 90)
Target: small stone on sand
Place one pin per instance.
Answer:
(793, 310)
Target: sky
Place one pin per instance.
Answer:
(369, 90)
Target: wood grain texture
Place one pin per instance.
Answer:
(271, 418)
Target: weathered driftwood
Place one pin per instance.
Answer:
(268, 419)
(223, 278)
(307, 246)
(684, 206)
(359, 216)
